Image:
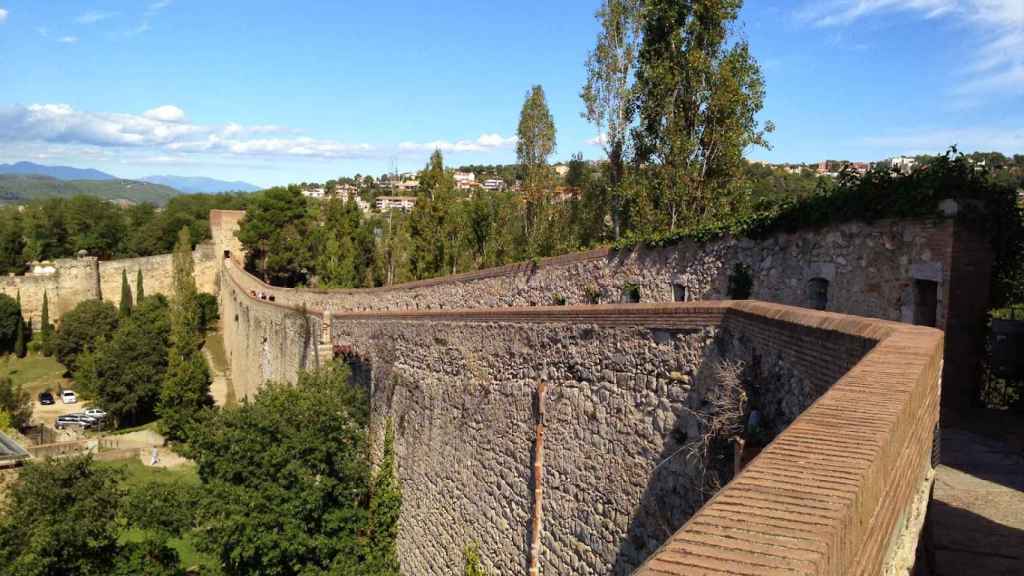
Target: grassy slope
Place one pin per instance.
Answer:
(15, 189)
(35, 372)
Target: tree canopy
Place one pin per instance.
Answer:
(81, 327)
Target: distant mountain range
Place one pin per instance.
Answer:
(200, 184)
(58, 172)
(21, 188)
(24, 181)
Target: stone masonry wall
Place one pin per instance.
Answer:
(75, 280)
(265, 341)
(870, 269)
(623, 386)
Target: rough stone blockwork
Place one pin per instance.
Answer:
(870, 269)
(74, 280)
(829, 496)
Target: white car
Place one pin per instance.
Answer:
(68, 397)
(97, 413)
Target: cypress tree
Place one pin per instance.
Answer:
(126, 295)
(47, 329)
(186, 388)
(385, 506)
(19, 343)
(139, 292)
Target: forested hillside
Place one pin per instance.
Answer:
(20, 189)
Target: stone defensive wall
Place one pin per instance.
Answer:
(625, 396)
(931, 272)
(68, 281)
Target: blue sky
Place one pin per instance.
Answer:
(277, 92)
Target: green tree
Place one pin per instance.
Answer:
(385, 508)
(608, 92)
(186, 387)
(344, 246)
(140, 293)
(153, 556)
(298, 448)
(432, 246)
(125, 308)
(275, 234)
(536, 133)
(60, 520)
(19, 340)
(12, 242)
(698, 91)
(124, 373)
(15, 402)
(81, 327)
(10, 323)
(47, 328)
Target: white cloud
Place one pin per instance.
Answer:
(485, 142)
(165, 113)
(997, 64)
(68, 39)
(94, 16)
(840, 12)
(3, 15)
(159, 5)
(599, 140)
(161, 129)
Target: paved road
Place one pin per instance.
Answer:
(976, 518)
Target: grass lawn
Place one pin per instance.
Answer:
(136, 474)
(35, 372)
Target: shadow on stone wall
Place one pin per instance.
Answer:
(677, 488)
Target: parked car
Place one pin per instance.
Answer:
(68, 397)
(77, 419)
(46, 398)
(97, 413)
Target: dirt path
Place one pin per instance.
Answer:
(976, 518)
(221, 387)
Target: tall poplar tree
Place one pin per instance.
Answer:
(608, 93)
(536, 142)
(698, 92)
(186, 388)
(125, 308)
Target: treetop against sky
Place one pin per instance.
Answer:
(271, 93)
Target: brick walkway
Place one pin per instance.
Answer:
(976, 519)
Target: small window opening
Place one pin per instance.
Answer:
(926, 302)
(817, 293)
(680, 293)
(227, 254)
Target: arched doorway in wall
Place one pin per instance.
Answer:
(817, 293)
